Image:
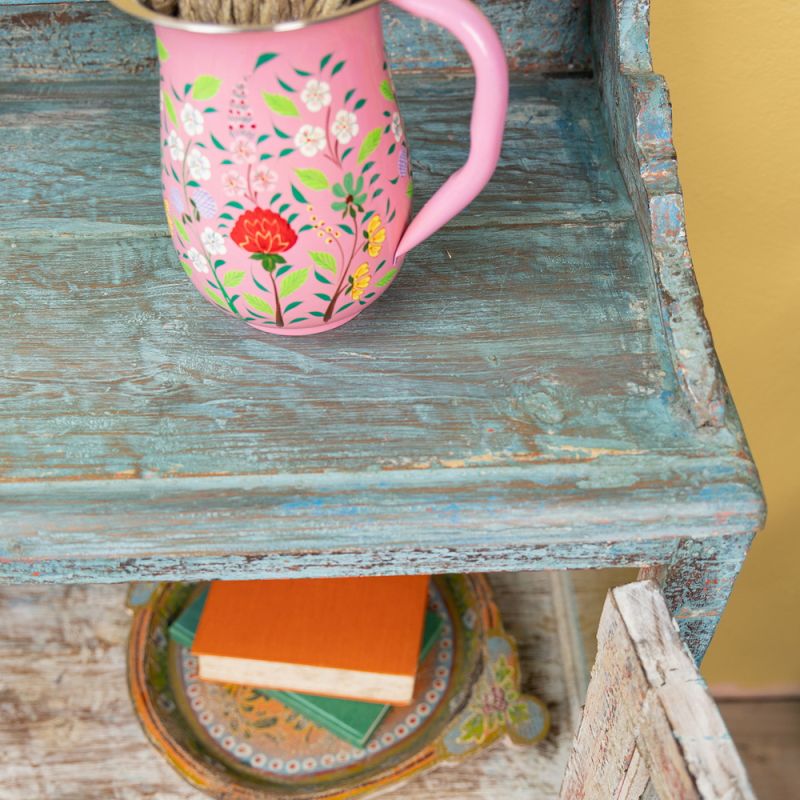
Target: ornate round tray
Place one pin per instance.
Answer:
(236, 742)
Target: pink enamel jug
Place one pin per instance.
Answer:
(285, 163)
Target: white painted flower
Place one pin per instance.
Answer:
(310, 140)
(264, 178)
(198, 260)
(199, 165)
(192, 120)
(233, 183)
(397, 126)
(213, 242)
(316, 95)
(244, 151)
(176, 147)
(345, 126)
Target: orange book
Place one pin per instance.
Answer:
(357, 638)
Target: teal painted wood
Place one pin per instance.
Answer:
(697, 580)
(122, 199)
(398, 522)
(537, 391)
(699, 576)
(511, 402)
(638, 113)
(91, 39)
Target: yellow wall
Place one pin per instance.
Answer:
(734, 73)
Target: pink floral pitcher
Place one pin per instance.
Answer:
(285, 167)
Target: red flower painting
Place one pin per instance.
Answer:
(263, 232)
(266, 235)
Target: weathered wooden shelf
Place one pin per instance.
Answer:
(68, 729)
(537, 390)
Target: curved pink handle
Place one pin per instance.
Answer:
(469, 25)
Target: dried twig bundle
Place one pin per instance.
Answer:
(243, 12)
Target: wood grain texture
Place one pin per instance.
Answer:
(71, 185)
(647, 706)
(67, 728)
(639, 117)
(79, 40)
(511, 397)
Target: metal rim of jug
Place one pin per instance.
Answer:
(136, 9)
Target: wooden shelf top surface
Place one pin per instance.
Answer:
(514, 384)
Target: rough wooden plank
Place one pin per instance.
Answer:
(604, 746)
(647, 703)
(568, 605)
(450, 348)
(67, 729)
(681, 725)
(638, 113)
(53, 41)
(65, 709)
(697, 582)
(529, 391)
(635, 781)
(70, 177)
(380, 522)
(82, 40)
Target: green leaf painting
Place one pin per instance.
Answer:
(216, 297)
(264, 58)
(293, 281)
(170, 108)
(324, 261)
(386, 91)
(205, 87)
(370, 144)
(299, 196)
(233, 278)
(312, 178)
(280, 104)
(186, 268)
(256, 303)
(181, 230)
(163, 55)
(473, 729)
(387, 278)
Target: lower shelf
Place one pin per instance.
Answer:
(67, 728)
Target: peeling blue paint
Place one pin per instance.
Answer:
(538, 391)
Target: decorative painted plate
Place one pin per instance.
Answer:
(236, 742)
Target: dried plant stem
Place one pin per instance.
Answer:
(244, 12)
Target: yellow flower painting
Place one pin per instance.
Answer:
(376, 236)
(359, 281)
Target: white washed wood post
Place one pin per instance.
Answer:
(648, 714)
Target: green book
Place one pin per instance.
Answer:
(183, 629)
(354, 721)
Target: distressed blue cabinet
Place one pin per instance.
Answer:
(538, 390)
